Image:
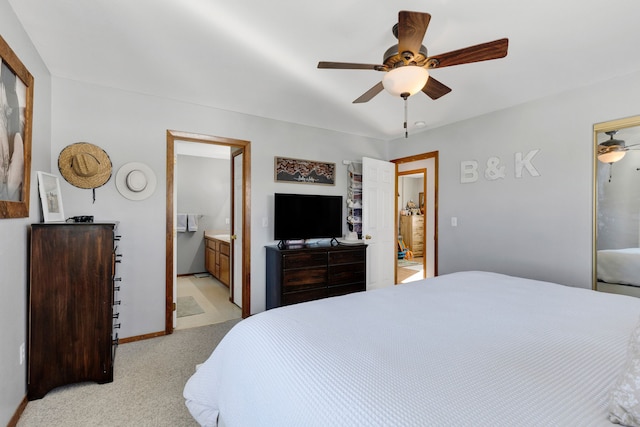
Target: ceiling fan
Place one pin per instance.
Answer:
(613, 150)
(406, 63)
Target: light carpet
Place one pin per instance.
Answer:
(149, 377)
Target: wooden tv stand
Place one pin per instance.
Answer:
(298, 274)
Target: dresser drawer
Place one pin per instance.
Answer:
(296, 297)
(211, 244)
(344, 257)
(346, 273)
(304, 278)
(335, 291)
(303, 260)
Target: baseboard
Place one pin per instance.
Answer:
(13, 422)
(141, 337)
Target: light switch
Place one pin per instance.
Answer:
(265, 222)
(454, 221)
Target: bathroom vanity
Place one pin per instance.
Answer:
(217, 256)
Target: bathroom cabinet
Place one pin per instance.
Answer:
(217, 258)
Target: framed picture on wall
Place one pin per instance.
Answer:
(51, 198)
(16, 111)
(304, 171)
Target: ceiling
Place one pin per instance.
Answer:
(260, 57)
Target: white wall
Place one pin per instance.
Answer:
(537, 227)
(203, 188)
(132, 127)
(13, 243)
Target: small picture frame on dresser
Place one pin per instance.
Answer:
(51, 197)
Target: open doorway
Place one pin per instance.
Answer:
(426, 204)
(412, 251)
(239, 236)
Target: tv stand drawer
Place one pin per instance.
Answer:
(304, 278)
(304, 296)
(334, 291)
(304, 260)
(346, 273)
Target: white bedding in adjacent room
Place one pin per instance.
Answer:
(620, 266)
(469, 348)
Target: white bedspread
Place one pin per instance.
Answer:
(463, 349)
(619, 266)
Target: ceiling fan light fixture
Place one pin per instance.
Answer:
(409, 79)
(612, 150)
(612, 155)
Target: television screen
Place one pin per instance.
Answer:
(307, 216)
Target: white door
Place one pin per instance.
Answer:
(238, 214)
(378, 219)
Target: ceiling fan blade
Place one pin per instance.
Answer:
(411, 29)
(348, 66)
(434, 89)
(481, 52)
(369, 94)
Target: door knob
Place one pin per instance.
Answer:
(367, 237)
(234, 237)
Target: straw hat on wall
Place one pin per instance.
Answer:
(84, 165)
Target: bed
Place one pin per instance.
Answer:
(621, 266)
(468, 348)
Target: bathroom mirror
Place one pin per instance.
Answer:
(616, 207)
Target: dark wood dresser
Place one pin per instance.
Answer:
(72, 305)
(313, 272)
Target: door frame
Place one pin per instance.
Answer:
(245, 146)
(417, 157)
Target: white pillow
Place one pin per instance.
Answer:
(624, 403)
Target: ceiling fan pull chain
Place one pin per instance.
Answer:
(406, 129)
(610, 171)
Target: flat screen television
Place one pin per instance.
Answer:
(307, 216)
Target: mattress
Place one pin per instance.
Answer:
(621, 266)
(469, 348)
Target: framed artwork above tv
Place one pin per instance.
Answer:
(304, 171)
